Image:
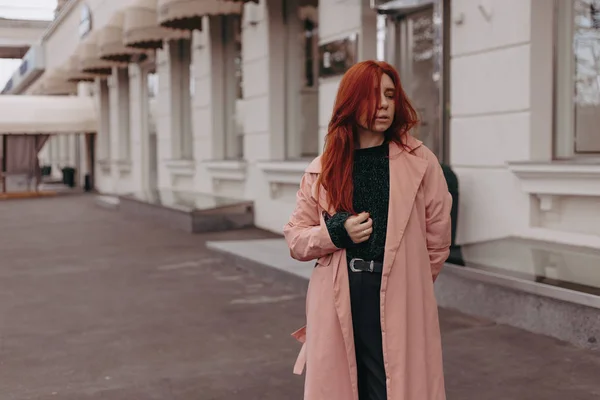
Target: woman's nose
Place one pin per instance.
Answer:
(384, 102)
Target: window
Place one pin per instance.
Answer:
(121, 76)
(310, 38)
(180, 57)
(238, 127)
(237, 32)
(301, 85)
(578, 79)
(231, 91)
(151, 161)
(152, 83)
(104, 131)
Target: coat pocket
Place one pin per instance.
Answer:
(324, 261)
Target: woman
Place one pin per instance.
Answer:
(374, 211)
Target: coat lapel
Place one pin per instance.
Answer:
(319, 193)
(406, 174)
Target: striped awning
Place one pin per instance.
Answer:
(56, 81)
(187, 14)
(110, 41)
(73, 71)
(89, 57)
(141, 29)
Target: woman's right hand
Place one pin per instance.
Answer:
(359, 227)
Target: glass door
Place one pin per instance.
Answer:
(415, 61)
(414, 43)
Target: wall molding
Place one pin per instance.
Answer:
(280, 173)
(231, 170)
(181, 167)
(559, 179)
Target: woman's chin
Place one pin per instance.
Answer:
(381, 128)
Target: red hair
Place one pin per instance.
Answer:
(359, 91)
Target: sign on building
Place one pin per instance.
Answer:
(337, 56)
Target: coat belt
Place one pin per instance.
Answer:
(300, 336)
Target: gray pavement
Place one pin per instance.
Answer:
(97, 306)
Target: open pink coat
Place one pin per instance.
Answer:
(418, 241)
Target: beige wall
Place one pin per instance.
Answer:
(502, 88)
(490, 115)
(63, 38)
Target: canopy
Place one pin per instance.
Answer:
(47, 114)
(187, 14)
(141, 29)
(55, 81)
(110, 41)
(74, 74)
(89, 57)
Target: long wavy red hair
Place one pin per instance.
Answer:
(359, 91)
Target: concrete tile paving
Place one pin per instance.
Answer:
(97, 306)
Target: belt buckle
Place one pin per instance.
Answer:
(354, 269)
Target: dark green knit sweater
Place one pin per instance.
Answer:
(371, 179)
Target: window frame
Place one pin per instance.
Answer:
(564, 107)
(296, 45)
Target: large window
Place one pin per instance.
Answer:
(232, 87)
(302, 88)
(180, 55)
(578, 79)
(121, 76)
(237, 34)
(152, 84)
(152, 155)
(104, 131)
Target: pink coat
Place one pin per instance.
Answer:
(418, 241)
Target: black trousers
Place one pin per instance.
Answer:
(364, 301)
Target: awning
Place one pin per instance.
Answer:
(55, 81)
(187, 14)
(73, 72)
(47, 114)
(141, 29)
(110, 41)
(89, 57)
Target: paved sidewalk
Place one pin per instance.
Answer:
(97, 306)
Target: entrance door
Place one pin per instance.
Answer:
(411, 48)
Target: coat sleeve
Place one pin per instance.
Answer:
(306, 236)
(438, 204)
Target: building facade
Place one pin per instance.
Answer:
(233, 99)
